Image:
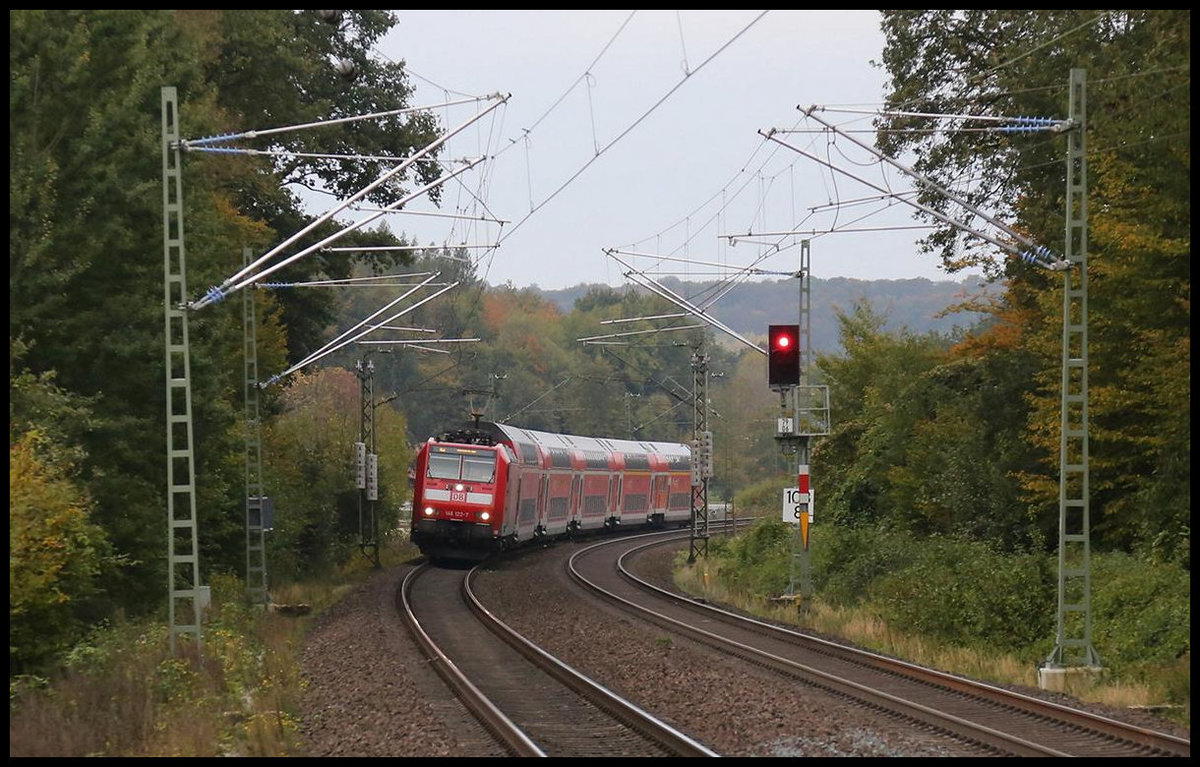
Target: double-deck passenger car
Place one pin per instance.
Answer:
(489, 487)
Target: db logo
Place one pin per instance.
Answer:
(457, 497)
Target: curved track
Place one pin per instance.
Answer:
(996, 719)
(532, 704)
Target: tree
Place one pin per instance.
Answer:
(56, 555)
(86, 208)
(59, 559)
(1011, 63)
(308, 454)
(875, 392)
(86, 277)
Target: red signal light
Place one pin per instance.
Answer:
(783, 356)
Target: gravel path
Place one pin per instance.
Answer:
(370, 693)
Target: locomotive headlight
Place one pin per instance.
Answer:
(459, 487)
(485, 515)
(429, 511)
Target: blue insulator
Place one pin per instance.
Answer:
(1039, 255)
(211, 139)
(1027, 124)
(214, 295)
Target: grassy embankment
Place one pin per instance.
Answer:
(881, 594)
(122, 693)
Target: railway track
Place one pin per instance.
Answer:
(1000, 721)
(531, 703)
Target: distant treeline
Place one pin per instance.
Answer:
(918, 305)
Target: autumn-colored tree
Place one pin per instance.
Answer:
(56, 555)
(308, 457)
(86, 210)
(1009, 63)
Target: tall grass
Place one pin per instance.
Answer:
(862, 626)
(123, 693)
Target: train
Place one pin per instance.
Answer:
(489, 487)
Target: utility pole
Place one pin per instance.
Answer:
(367, 461)
(804, 414)
(800, 554)
(1073, 635)
(258, 506)
(701, 455)
(186, 597)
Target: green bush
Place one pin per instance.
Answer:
(56, 554)
(846, 561)
(1141, 611)
(757, 562)
(764, 498)
(968, 595)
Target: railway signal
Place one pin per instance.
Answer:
(783, 355)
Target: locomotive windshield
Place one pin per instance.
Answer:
(479, 469)
(470, 468)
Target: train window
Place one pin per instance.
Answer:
(635, 503)
(479, 469)
(593, 504)
(529, 454)
(527, 508)
(443, 466)
(636, 461)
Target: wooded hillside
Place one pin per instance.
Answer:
(936, 432)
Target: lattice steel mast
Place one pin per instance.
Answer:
(186, 597)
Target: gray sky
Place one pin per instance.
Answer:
(582, 160)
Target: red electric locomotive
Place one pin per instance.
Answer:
(489, 487)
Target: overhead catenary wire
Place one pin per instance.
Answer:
(432, 213)
(1033, 253)
(407, 341)
(633, 125)
(253, 134)
(344, 282)
(305, 155)
(376, 248)
(678, 300)
(337, 342)
(639, 332)
(240, 280)
(732, 267)
(489, 253)
(1033, 122)
(1024, 124)
(216, 294)
(539, 397)
(347, 338)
